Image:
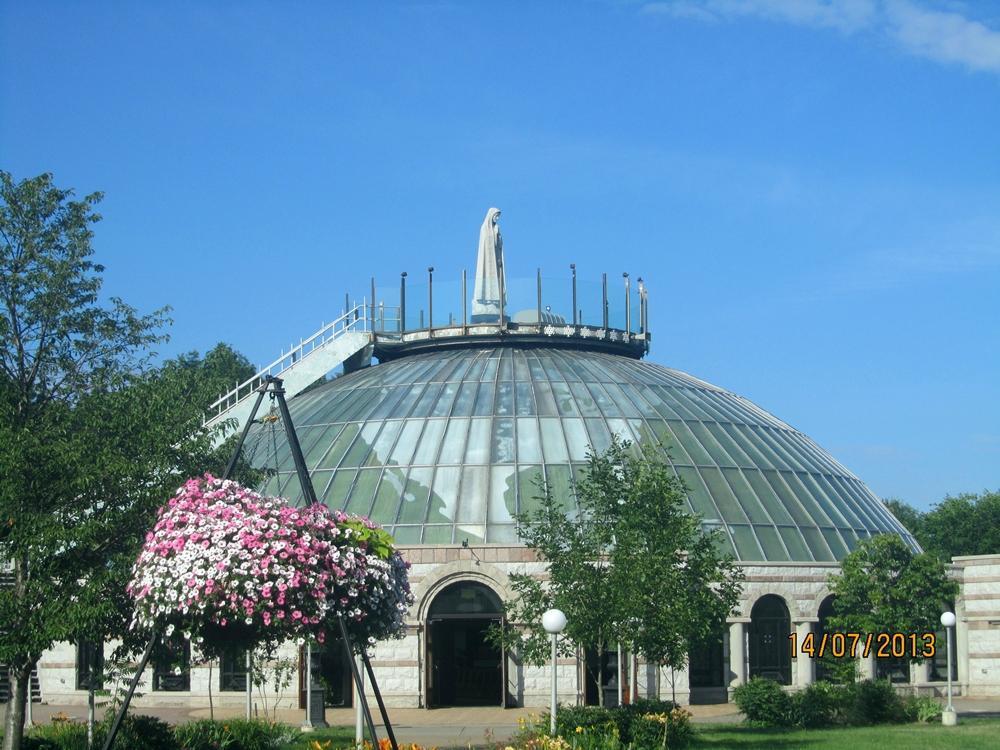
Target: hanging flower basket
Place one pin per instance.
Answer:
(232, 568)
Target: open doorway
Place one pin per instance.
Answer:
(463, 667)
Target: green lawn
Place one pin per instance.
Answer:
(342, 737)
(971, 734)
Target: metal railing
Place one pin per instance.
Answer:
(437, 303)
(565, 303)
(355, 319)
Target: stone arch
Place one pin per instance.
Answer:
(454, 572)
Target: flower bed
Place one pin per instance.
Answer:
(230, 567)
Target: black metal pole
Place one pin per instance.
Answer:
(357, 681)
(430, 297)
(293, 443)
(604, 289)
(628, 305)
(246, 430)
(538, 277)
(572, 267)
(642, 307)
(378, 698)
(503, 289)
(307, 488)
(116, 724)
(402, 302)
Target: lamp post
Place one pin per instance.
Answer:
(948, 717)
(553, 621)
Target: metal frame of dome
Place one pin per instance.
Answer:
(441, 446)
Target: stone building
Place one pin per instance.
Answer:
(443, 439)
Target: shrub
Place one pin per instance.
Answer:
(261, 735)
(204, 735)
(137, 731)
(59, 735)
(628, 715)
(922, 708)
(819, 705)
(568, 718)
(764, 703)
(874, 702)
(669, 729)
(234, 734)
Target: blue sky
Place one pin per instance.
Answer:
(811, 189)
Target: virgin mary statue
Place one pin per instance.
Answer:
(490, 279)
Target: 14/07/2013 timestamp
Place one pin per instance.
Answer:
(882, 645)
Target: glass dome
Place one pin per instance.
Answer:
(448, 445)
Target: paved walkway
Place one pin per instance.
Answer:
(453, 726)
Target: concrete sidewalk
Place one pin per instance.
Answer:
(451, 727)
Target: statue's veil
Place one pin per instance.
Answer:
(490, 272)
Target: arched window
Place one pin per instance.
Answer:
(825, 666)
(770, 649)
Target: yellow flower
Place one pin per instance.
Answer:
(579, 730)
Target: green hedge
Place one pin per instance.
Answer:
(764, 703)
(149, 733)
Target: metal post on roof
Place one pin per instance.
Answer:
(347, 302)
(465, 301)
(628, 305)
(430, 297)
(642, 306)
(373, 301)
(604, 293)
(572, 267)
(402, 302)
(538, 276)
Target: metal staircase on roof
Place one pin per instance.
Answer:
(346, 341)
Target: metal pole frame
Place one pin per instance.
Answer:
(538, 277)
(116, 724)
(572, 267)
(402, 302)
(274, 386)
(604, 294)
(430, 298)
(628, 305)
(305, 481)
(465, 302)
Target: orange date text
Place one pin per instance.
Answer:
(853, 645)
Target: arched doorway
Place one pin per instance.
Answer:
(770, 649)
(463, 667)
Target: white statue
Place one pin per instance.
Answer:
(490, 279)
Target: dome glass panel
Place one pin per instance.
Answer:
(449, 445)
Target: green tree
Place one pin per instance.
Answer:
(91, 441)
(968, 524)
(906, 514)
(883, 587)
(632, 566)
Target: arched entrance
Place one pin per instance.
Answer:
(463, 667)
(770, 649)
